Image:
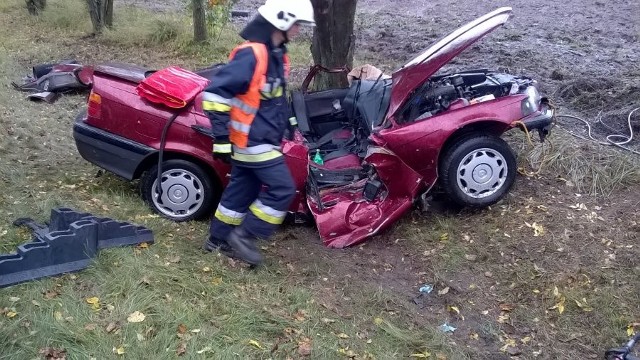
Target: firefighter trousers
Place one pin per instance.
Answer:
(256, 199)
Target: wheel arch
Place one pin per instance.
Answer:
(152, 159)
(492, 127)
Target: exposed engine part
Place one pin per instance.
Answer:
(437, 94)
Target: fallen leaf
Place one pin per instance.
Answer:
(509, 343)
(346, 352)
(342, 336)
(506, 307)
(143, 245)
(50, 294)
(630, 330)
(474, 336)
(471, 257)
(57, 315)
(174, 259)
(443, 291)
(204, 350)
(195, 331)
(94, 302)
(34, 302)
(14, 299)
(90, 327)
(444, 237)
(300, 315)
(182, 328)
(255, 344)
(11, 314)
(140, 337)
(378, 321)
(560, 305)
(583, 305)
(136, 317)
(422, 355)
(206, 269)
(456, 310)
(328, 321)
(216, 281)
(182, 348)
(111, 327)
(304, 348)
(538, 230)
(51, 353)
(119, 351)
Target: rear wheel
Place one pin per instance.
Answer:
(187, 191)
(478, 170)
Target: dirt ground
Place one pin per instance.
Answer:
(585, 57)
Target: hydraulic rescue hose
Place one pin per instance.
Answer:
(163, 140)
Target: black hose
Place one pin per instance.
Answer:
(163, 140)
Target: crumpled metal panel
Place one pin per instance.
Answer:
(346, 218)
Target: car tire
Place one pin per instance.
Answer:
(188, 193)
(478, 170)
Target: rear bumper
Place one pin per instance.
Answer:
(111, 152)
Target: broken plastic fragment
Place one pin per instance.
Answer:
(426, 289)
(447, 328)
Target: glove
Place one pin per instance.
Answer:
(222, 150)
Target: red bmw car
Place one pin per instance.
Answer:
(384, 142)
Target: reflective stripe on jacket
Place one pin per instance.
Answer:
(245, 100)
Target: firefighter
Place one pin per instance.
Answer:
(249, 115)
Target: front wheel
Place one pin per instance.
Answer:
(478, 170)
(187, 191)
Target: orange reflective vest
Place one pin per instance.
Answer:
(245, 106)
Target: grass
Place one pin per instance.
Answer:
(590, 167)
(477, 260)
(227, 310)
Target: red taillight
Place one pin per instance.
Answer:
(95, 101)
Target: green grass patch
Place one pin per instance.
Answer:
(591, 168)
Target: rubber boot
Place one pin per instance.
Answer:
(244, 246)
(224, 248)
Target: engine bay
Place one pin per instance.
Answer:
(441, 92)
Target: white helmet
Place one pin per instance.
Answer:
(284, 13)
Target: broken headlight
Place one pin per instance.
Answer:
(531, 103)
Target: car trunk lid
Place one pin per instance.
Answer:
(129, 72)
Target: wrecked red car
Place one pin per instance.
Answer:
(384, 143)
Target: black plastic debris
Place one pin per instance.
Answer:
(48, 81)
(69, 243)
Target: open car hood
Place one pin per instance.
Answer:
(417, 71)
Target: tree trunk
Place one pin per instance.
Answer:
(333, 40)
(199, 21)
(36, 6)
(101, 13)
(108, 13)
(97, 15)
